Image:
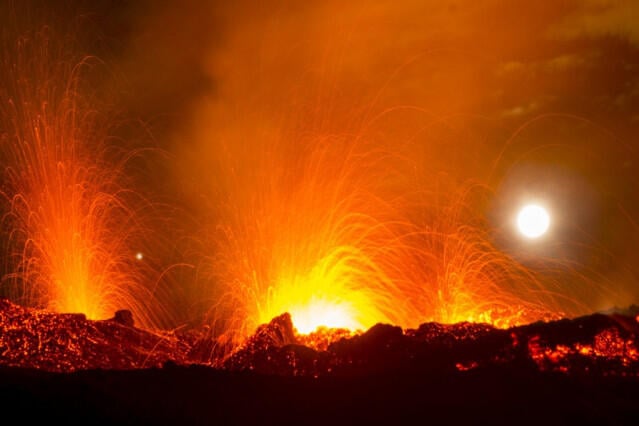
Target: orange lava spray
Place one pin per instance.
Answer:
(72, 225)
(340, 186)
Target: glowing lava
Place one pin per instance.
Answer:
(71, 220)
(334, 210)
(320, 313)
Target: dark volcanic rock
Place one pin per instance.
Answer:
(33, 338)
(273, 349)
(594, 344)
(598, 344)
(124, 317)
(451, 334)
(576, 371)
(382, 347)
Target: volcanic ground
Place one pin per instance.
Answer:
(66, 368)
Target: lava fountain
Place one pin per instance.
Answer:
(70, 222)
(308, 240)
(347, 182)
(334, 233)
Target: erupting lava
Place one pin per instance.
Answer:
(319, 212)
(338, 209)
(320, 313)
(323, 232)
(70, 221)
(304, 243)
(331, 197)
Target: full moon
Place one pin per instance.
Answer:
(533, 221)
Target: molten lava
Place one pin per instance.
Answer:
(70, 220)
(337, 196)
(320, 313)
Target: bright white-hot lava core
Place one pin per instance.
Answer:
(533, 221)
(323, 313)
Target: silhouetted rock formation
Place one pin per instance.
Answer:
(598, 344)
(43, 340)
(124, 317)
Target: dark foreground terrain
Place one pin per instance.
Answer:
(65, 369)
(203, 396)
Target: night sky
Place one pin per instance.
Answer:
(539, 101)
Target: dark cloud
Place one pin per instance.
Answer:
(597, 18)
